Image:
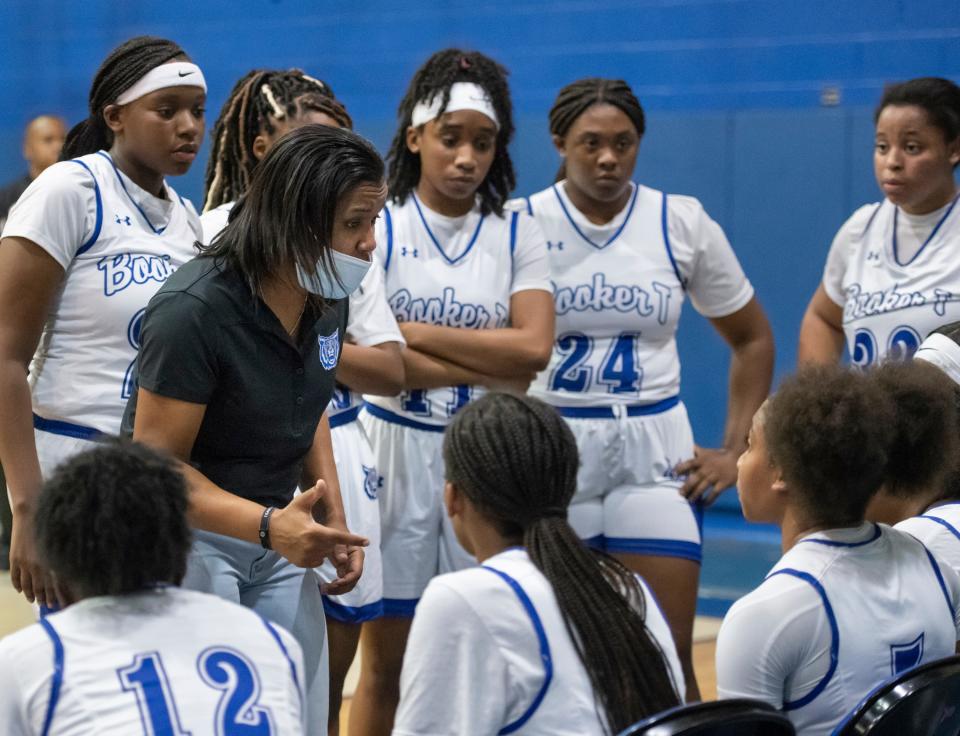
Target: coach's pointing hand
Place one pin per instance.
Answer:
(298, 537)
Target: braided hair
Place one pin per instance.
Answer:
(113, 520)
(516, 460)
(434, 79)
(257, 101)
(574, 99)
(122, 68)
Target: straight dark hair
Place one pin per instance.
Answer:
(516, 460)
(287, 214)
(123, 67)
(938, 97)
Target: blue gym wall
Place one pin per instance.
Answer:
(732, 88)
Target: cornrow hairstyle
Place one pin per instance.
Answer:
(113, 520)
(925, 443)
(940, 98)
(287, 215)
(574, 99)
(257, 101)
(516, 460)
(435, 78)
(829, 430)
(122, 68)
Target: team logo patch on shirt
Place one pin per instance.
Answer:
(906, 656)
(329, 350)
(372, 482)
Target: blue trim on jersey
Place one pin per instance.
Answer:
(831, 543)
(655, 547)
(66, 429)
(529, 206)
(514, 216)
(344, 417)
(873, 216)
(389, 416)
(612, 412)
(633, 201)
(596, 542)
(545, 655)
(834, 637)
(399, 607)
(388, 221)
(943, 585)
(664, 225)
(132, 200)
(896, 212)
(943, 522)
(45, 610)
(352, 614)
(293, 668)
(57, 681)
(473, 240)
(99, 221)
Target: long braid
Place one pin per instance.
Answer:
(435, 78)
(516, 460)
(574, 99)
(256, 103)
(122, 68)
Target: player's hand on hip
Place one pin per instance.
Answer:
(297, 536)
(707, 474)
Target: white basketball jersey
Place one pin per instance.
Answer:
(369, 320)
(890, 302)
(466, 284)
(165, 661)
(882, 604)
(938, 528)
(117, 244)
(618, 292)
(510, 666)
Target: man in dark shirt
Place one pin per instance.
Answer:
(42, 141)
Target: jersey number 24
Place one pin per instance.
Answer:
(619, 370)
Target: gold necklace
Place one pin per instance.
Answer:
(296, 324)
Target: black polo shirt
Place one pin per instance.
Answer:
(208, 340)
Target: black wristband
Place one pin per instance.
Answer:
(265, 527)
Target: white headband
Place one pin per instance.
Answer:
(942, 352)
(463, 96)
(174, 74)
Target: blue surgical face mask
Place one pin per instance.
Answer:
(351, 271)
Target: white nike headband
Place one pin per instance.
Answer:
(463, 96)
(174, 74)
(942, 352)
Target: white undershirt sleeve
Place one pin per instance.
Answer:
(58, 211)
(776, 635)
(531, 266)
(840, 252)
(371, 321)
(714, 278)
(454, 679)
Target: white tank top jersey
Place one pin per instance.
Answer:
(896, 276)
(840, 613)
(938, 528)
(165, 661)
(489, 653)
(369, 320)
(117, 244)
(455, 272)
(619, 289)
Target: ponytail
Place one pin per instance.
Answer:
(516, 460)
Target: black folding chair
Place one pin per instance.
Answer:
(924, 701)
(718, 718)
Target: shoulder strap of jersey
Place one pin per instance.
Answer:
(664, 224)
(56, 681)
(388, 222)
(99, 220)
(943, 585)
(513, 232)
(545, 655)
(834, 637)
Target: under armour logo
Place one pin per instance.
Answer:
(124, 221)
(558, 245)
(413, 252)
(873, 255)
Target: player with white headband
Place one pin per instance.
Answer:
(470, 287)
(84, 249)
